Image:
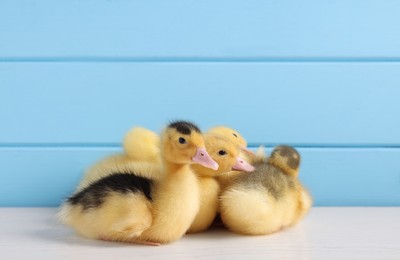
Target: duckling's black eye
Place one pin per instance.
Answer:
(235, 135)
(221, 152)
(182, 140)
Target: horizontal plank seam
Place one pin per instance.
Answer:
(250, 145)
(197, 59)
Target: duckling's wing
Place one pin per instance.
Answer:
(117, 207)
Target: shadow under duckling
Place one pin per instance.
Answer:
(226, 154)
(127, 207)
(269, 199)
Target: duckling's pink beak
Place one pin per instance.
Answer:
(247, 150)
(203, 158)
(242, 165)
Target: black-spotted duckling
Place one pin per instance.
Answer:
(127, 207)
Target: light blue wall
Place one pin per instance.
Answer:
(323, 76)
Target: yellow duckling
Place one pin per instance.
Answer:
(226, 154)
(124, 206)
(141, 144)
(268, 199)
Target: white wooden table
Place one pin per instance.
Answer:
(326, 233)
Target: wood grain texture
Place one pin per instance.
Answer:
(335, 176)
(199, 29)
(326, 233)
(298, 103)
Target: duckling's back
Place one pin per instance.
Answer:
(266, 200)
(268, 178)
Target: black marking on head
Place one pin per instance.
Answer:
(95, 194)
(289, 153)
(184, 127)
(235, 135)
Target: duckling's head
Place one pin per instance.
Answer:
(183, 143)
(286, 158)
(232, 135)
(225, 153)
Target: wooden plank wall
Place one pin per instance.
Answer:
(323, 76)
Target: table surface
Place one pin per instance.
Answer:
(325, 233)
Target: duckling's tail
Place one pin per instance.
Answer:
(286, 158)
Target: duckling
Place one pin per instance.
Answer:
(226, 154)
(125, 206)
(209, 188)
(269, 199)
(142, 144)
